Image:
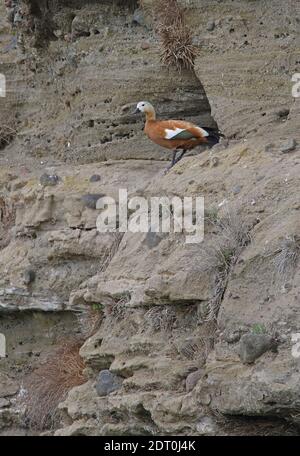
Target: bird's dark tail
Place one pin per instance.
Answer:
(214, 136)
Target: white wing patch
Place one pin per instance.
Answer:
(171, 133)
(203, 132)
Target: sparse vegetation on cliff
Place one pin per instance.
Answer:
(50, 383)
(233, 234)
(7, 133)
(176, 38)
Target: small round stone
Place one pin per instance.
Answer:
(107, 382)
(95, 178)
(29, 276)
(49, 180)
(90, 200)
(210, 26)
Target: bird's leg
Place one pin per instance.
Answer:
(173, 158)
(173, 161)
(180, 156)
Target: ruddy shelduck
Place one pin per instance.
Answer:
(175, 134)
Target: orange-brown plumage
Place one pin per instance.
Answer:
(174, 134)
(155, 130)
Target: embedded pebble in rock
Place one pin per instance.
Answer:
(145, 46)
(49, 180)
(214, 161)
(90, 200)
(192, 379)
(283, 113)
(232, 337)
(236, 189)
(252, 346)
(152, 239)
(139, 18)
(95, 178)
(288, 146)
(58, 33)
(269, 147)
(29, 276)
(107, 382)
(210, 26)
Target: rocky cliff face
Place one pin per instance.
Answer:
(190, 338)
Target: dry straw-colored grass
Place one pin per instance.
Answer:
(176, 39)
(287, 257)
(8, 117)
(7, 220)
(219, 258)
(7, 133)
(117, 310)
(160, 318)
(111, 251)
(50, 383)
(90, 320)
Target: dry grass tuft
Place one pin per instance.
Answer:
(50, 383)
(232, 236)
(8, 117)
(234, 229)
(90, 320)
(7, 221)
(117, 310)
(189, 350)
(198, 349)
(160, 318)
(219, 259)
(7, 133)
(287, 257)
(211, 215)
(177, 42)
(208, 337)
(111, 251)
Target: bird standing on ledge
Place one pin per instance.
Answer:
(175, 134)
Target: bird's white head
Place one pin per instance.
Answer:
(146, 108)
